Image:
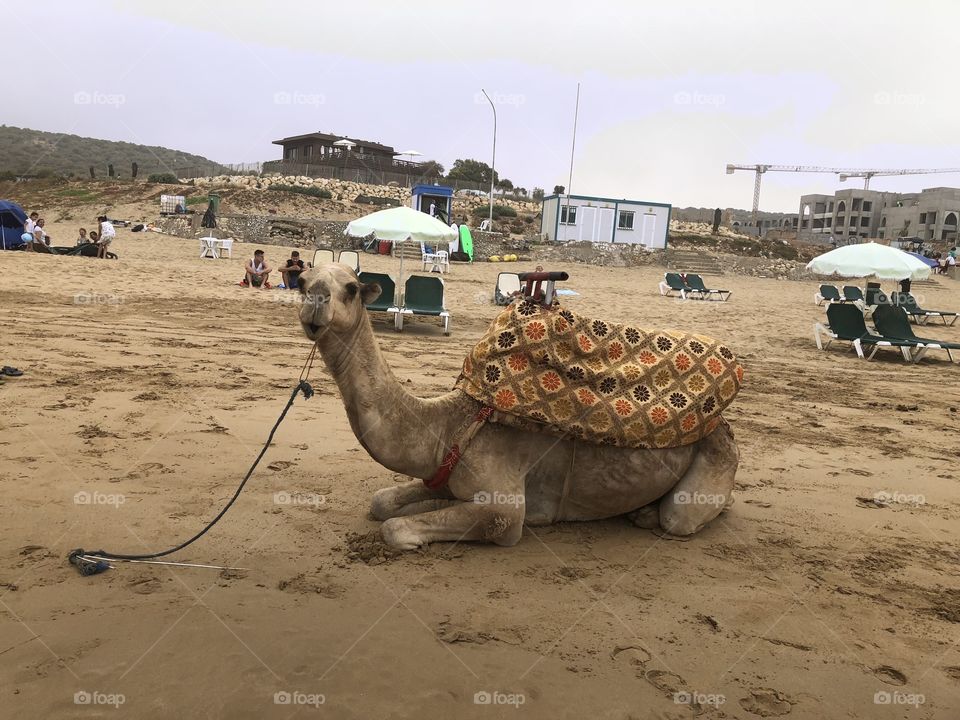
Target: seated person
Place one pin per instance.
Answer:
(83, 239)
(291, 272)
(94, 238)
(257, 272)
(38, 244)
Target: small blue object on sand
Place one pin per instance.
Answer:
(566, 291)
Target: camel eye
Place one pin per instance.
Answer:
(352, 289)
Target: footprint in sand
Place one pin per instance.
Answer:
(666, 682)
(766, 702)
(278, 465)
(633, 654)
(890, 675)
(145, 586)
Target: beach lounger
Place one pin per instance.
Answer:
(909, 303)
(695, 282)
(847, 325)
(350, 258)
(508, 285)
(673, 282)
(424, 296)
(828, 293)
(892, 321)
(387, 302)
(322, 257)
(852, 293)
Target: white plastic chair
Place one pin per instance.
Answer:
(438, 260)
(322, 257)
(350, 258)
(225, 246)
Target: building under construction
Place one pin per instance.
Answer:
(929, 215)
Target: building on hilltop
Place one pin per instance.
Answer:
(930, 215)
(325, 149)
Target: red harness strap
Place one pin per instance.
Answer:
(442, 476)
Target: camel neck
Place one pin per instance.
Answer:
(402, 432)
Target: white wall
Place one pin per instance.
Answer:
(597, 221)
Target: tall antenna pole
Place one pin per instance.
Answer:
(493, 161)
(573, 147)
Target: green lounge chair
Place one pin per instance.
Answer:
(852, 293)
(892, 321)
(847, 324)
(387, 302)
(909, 303)
(695, 282)
(828, 293)
(673, 282)
(424, 296)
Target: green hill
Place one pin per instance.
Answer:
(37, 153)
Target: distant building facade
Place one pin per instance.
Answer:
(323, 149)
(930, 215)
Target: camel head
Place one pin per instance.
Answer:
(333, 299)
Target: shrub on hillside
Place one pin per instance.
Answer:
(168, 178)
(499, 211)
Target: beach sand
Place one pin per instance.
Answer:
(154, 380)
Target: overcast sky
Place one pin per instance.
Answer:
(671, 91)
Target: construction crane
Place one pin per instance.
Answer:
(867, 174)
(843, 173)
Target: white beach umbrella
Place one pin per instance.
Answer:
(866, 259)
(400, 224)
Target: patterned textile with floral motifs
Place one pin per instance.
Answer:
(553, 370)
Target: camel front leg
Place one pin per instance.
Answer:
(500, 524)
(392, 501)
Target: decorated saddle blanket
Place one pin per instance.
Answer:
(554, 370)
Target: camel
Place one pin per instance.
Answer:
(507, 477)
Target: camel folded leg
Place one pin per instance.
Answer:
(409, 497)
(705, 489)
(464, 521)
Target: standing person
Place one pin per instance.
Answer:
(291, 272)
(31, 223)
(106, 233)
(257, 272)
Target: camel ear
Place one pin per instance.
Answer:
(369, 292)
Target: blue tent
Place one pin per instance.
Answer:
(12, 218)
(929, 261)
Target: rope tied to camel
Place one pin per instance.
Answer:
(93, 562)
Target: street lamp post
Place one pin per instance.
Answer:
(493, 162)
